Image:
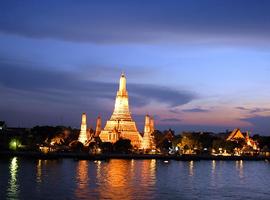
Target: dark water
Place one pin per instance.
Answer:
(133, 179)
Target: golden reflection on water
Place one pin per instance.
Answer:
(119, 175)
(191, 168)
(148, 175)
(82, 179)
(213, 166)
(39, 171)
(115, 178)
(13, 187)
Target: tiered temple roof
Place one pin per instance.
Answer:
(121, 124)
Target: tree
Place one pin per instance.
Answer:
(106, 147)
(122, 146)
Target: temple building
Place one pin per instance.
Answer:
(236, 134)
(121, 124)
(148, 138)
(83, 137)
(98, 127)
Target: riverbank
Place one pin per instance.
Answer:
(85, 156)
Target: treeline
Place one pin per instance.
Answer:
(31, 139)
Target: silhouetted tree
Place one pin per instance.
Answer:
(106, 147)
(122, 146)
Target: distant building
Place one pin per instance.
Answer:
(236, 134)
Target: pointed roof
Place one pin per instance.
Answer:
(236, 134)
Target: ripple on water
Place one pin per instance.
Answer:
(134, 179)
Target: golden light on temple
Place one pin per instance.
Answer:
(98, 127)
(83, 133)
(121, 124)
(148, 142)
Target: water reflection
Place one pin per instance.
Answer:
(82, 177)
(213, 166)
(239, 165)
(148, 173)
(39, 171)
(191, 168)
(213, 173)
(118, 176)
(138, 179)
(13, 186)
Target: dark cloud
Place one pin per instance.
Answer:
(26, 89)
(59, 83)
(241, 108)
(196, 110)
(254, 110)
(133, 21)
(161, 94)
(260, 124)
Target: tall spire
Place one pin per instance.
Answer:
(152, 124)
(121, 106)
(148, 138)
(83, 133)
(147, 127)
(121, 122)
(122, 84)
(98, 126)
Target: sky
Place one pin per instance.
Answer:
(193, 65)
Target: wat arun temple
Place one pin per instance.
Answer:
(121, 125)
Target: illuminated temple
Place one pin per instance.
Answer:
(83, 137)
(121, 124)
(236, 134)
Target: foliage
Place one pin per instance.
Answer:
(122, 146)
(106, 147)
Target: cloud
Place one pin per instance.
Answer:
(171, 120)
(25, 88)
(58, 83)
(119, 21)
(162, 94)
(241, 108)
(254, 110)
(260, 124)
(196, 110)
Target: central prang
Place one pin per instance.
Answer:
(121, 124)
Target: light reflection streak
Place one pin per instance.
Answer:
(213, 173)
(82, 180)
(39, 171)
(13, 187)
(240, 167)
(213, 166)
(191, 168)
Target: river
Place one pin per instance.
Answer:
(22, 178)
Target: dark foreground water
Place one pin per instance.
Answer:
(133, 179)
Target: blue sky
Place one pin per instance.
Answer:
(194, 65)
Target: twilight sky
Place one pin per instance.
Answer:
(194, 65)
